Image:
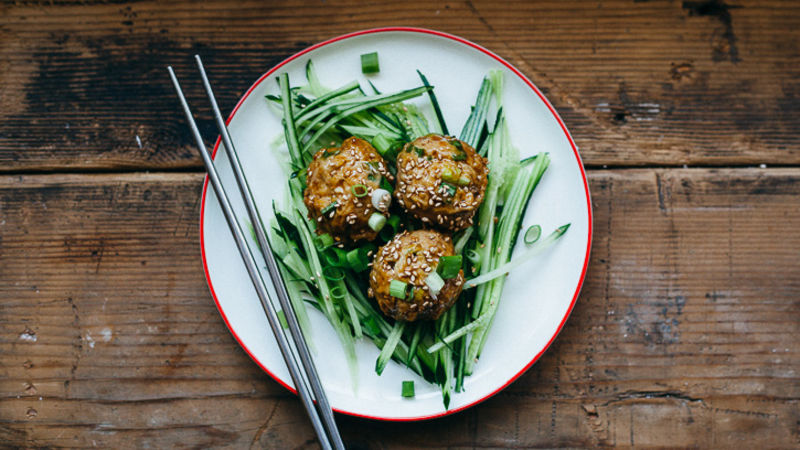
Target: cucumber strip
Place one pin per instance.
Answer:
(411, 93)
(389, 346)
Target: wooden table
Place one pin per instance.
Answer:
(687, 115)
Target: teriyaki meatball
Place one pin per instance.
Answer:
(340, 183)
(441, 181)
(407, 261)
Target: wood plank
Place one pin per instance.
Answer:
(83, 86)
(685, 334)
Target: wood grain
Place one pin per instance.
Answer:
(83, 84)
(685, 334)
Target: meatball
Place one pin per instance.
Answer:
(339, 186)
(410, 257)
(441, 181)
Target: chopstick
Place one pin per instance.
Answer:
(324, 426)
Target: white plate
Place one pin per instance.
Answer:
(538, 297)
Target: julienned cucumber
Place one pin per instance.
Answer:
(333, 280)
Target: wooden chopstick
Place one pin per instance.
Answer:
(321, 415)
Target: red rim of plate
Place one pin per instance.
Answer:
(524, 79)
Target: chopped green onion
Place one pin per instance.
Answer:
(337, 292)
(377, 221)
(336, 257)
(449, 175)
(408, 388)
(369, 63)
(333, 273)
(357, 259)
(331, 206)
(381, 198)
(532, 234)
(420, 152)
(398, 288)
(323, 241)
(435, 283)
(359, 190)
(460, 156)
(448, 189)
(449, 266)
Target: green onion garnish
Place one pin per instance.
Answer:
(460, 156)
(448, 189)
(449, 175)
(337, 292)
(323, 241)
(369, 63)
(532, 234)
(435, 283)
(333, 273)
(377, 221)
(397, 288)
(336, 257)
(420, 152)
(449, 266)
(357, 259)
(457, 144)
(328, 153)
(408, 388)
(359, 190)
(331, 206)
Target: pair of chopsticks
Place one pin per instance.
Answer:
(303, 372)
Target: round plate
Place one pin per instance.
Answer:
(538, 296)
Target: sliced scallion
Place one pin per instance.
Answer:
(359, 190)
(532, 234)
(435, 283)
(377, 221)
(408, 389)
(330, 207)
(357, 260)
(398, 288)
(323, 241)
(381, 198)
(333, 273)
(448, 189)
(449, 266)
(450, 175)
(369, 63)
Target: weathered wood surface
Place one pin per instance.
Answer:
(686, 332)
(83, 84)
